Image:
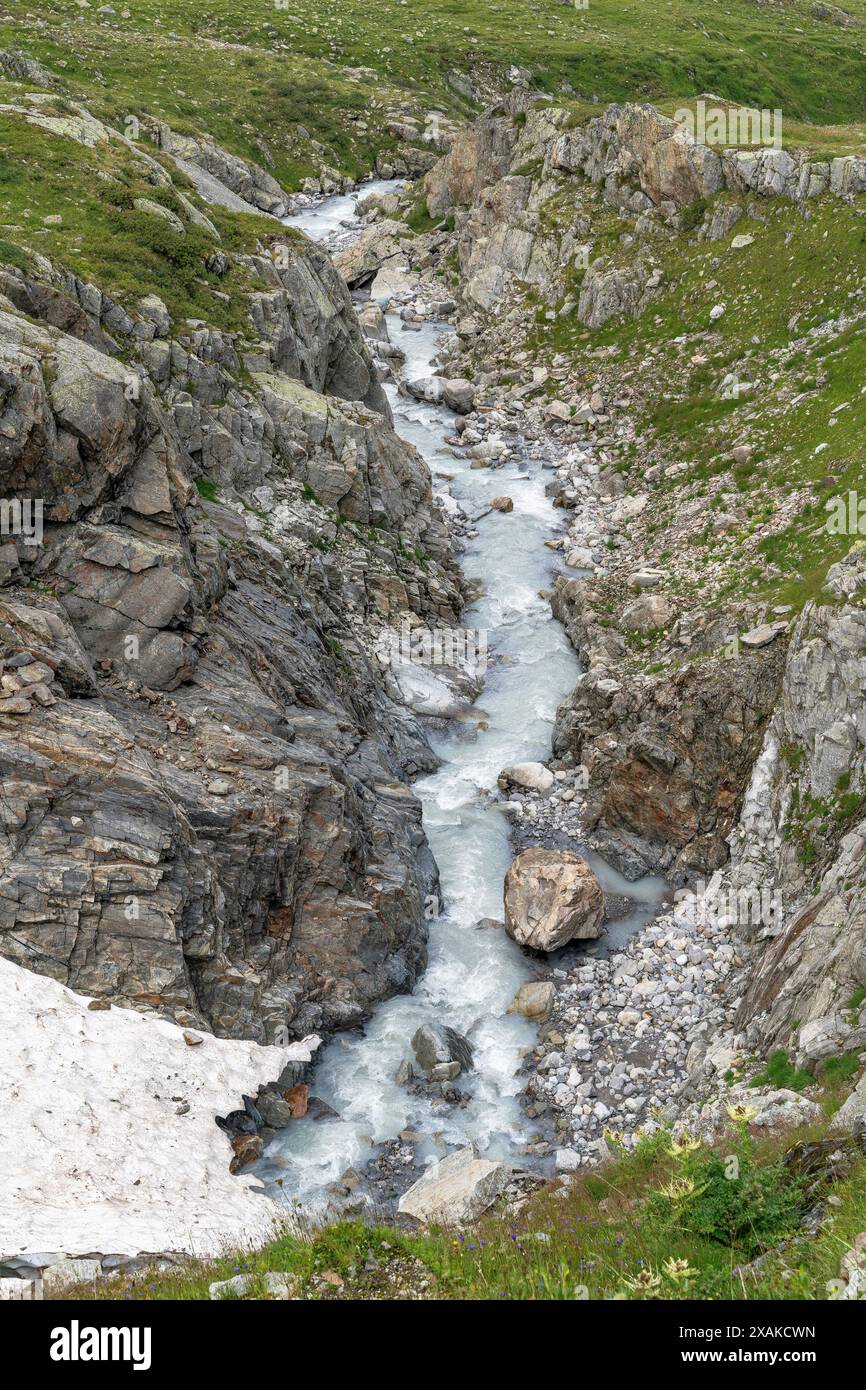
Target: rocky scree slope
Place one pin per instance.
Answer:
(204, 784)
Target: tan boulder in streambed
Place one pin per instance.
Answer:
(552, 897)
(534, 1000)
(456, 1190)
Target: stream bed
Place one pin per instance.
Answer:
(473, 972)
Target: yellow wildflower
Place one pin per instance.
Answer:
(678, 1189)
(743, 1113)
(686, 1144)
(645, 1282)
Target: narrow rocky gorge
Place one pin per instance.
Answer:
(470, 924)
(701, 767)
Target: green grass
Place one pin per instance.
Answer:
(805, 415)
(221, 76)
(419, 218)
(780, 1072)
(664, 1221)
(104, 239)
(840, 1069)
(329, 75)
(857, 998)
(763, 56)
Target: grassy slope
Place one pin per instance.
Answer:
(796, 275)
(302, 84)
(218, 64)
(103, 238)
(597, 1239)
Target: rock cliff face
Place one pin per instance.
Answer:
(667, 758)
(500, 176)
(204, 796)
(803, 835)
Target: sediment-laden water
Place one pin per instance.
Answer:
(473, 973)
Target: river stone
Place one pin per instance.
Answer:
(274, 1110)
(444, 1071)
(502, 504)
(533, 776)
(436, 1047)
(277, 1285)
(372, 320)
(552, 897)
(534, 999)
(458, 394)
(429, 389)
(456, 1190)
(566, 1160)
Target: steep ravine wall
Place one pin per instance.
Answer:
(204, 794)
(803, 835)
(501, 172)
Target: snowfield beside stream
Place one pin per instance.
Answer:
(109, 1138)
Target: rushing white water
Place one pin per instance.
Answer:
(332, 215)
(473, 973)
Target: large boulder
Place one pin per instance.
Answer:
(552, 897)
(458, 394)
(530, 776)
(361, 261)
(456, 1190)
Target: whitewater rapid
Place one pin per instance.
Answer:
(473, 972)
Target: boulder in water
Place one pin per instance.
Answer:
(552, 897)
(248, 1148)
(372, 320)
(242, 1122)
(429, 389)
(458, 394)
(439, 1047)
(533, 777)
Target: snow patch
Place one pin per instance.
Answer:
(97, 1156)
